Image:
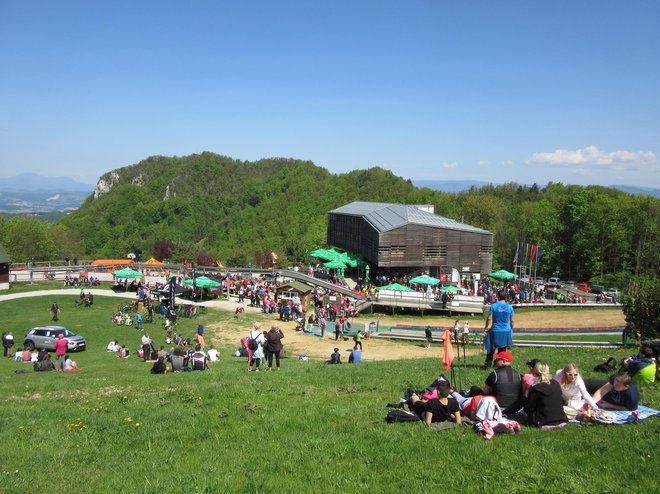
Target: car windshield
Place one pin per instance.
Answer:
(65, 332)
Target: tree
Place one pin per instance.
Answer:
(642, 307)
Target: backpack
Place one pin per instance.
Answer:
(401, 416)
(608, 366)
(253, 344)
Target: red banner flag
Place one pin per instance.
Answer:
(448, 355)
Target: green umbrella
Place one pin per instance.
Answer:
(323, 254)
(502, 274)
(127, 273)
(425, 280)
(450, 288)
(335, 264)
(395, 286)
(203, 282)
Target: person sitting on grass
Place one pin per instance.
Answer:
(213, 354)
(123, 352)
(356, 356)
(504, 383)
(529, 380)
(179, 361)
(70, 364)
(335, 358)
(619, 393)
(199, 360)
(642, 368)
(441, 409)
(573, 389)
(545, 406)
(45, 365)
(159, 366)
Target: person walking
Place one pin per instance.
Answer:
(55, 309)
(498, 331)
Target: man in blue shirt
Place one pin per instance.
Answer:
(500, 335)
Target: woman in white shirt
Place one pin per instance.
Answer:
(573, 390)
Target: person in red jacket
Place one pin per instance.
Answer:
(60, 351)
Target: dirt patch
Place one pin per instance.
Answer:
(229, 335)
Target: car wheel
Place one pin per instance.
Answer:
(29, 345)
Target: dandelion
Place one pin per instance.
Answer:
(129, 419)
(138, 424)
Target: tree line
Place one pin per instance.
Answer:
(206, 206)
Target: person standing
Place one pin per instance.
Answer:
(55, 309)
(146, 346)
(60, 351)
(274, 345)
(429, 336)
(498, 331)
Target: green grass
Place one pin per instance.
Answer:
(310, 427)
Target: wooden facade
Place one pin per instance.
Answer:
(421, 244)
(4, 269)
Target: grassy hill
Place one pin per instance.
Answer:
(310, 427)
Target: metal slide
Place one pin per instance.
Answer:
(310, 280)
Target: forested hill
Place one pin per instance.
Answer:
(226, 208)
(210, 206)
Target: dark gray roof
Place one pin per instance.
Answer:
(384, 216)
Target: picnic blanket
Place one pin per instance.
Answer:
(622, 416)
(625, 417)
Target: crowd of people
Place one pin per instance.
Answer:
(538, 398)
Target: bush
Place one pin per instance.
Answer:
(642, 307)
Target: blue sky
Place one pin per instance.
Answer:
(526, 91)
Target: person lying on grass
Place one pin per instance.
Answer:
(440, 409)
(620, 393)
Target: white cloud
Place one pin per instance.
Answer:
(483, 162)
(449, 165)
(591, 156)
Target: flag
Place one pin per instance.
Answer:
(274, 257)
(527, 251)
(448, 355)
(523, 246)
(539, 254)
(515, 258)
(532, 257)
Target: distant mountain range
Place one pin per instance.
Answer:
(32, 193)
(455, 186)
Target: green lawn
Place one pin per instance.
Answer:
(114, 427)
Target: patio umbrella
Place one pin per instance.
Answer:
(322, 254)
(335, 264)
(425, 280)
(450, 288)
(502, 274)
(202, 282)
(127, 273)
(395, 286)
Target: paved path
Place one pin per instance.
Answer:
(229, 305)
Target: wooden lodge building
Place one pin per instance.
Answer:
(397, 237)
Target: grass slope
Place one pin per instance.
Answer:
(114, 427)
